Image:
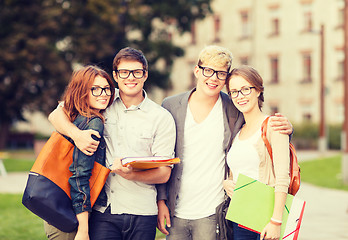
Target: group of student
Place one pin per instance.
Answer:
(205, 127)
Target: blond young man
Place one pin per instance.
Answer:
(206, 122)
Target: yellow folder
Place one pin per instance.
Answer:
(148, 162)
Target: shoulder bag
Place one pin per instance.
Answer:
(47, 193)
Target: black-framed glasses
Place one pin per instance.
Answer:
(137, 73)
(244, 91)
(208, 72)
(97, 91)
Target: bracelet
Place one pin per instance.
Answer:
(276, 222)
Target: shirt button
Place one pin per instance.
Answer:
(112, 191)
(113, 174)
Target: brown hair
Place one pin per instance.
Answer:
(250, 75)
(76, 93)
(132, 54)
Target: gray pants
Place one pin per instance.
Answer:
(199, 229)
(54, 233)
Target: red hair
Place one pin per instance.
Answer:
(76, 94)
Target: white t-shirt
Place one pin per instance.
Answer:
(243, 157)
(203, 172)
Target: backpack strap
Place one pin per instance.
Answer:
(264, 138)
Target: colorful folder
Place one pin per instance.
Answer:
(148, 162)
(252, 206)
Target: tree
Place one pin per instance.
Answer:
(41, 40)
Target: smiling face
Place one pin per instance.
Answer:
(99, 102)
(210, 86)
(130, 87)
(245, 103)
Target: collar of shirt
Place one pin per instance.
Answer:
(144, 105)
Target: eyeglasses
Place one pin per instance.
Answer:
(208, 72)
(244, 91)
(137, 73)
(97, 91)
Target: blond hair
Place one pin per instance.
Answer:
(217, 56)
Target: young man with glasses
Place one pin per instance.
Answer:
(135, 126)
(206, 122)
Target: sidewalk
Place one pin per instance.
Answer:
(325, 215)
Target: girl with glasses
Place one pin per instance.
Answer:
(248, 154)
(88, 94)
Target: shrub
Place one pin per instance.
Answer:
(306, 136)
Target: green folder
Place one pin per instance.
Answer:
(252, 206)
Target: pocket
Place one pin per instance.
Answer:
(143, 139)
(109, 128)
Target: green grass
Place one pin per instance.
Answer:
(18, 165)
(19, 160)
(324, 172)
(16, 221)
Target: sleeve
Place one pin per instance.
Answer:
(164, 146)
(281, 160)
(81, 169)
(161, 191)
(165, 136)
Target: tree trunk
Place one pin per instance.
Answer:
(4, 130)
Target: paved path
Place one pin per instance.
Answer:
(325, 215)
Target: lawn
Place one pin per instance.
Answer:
(16, 221)
(19, 223)
(324, 172)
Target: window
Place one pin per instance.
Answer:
(340, 20)
(340, 64)
(307, 14)
(274, 18)
(193, 32)
(274, 109)
(307, 117)
(216, 28)
(275, 27)
(245, 24)
(308, 23)
(340, 14)
(274, 69)
(307, 68)
(244, 60)
(340, 71)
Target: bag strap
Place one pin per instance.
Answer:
(265, 140)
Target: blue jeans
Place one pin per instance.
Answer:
(240, 233)
(199, 229)
(107, 226)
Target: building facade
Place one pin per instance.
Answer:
(291, 43)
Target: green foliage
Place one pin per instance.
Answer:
(306, 136)
(324, 172)
(42, 40)
(334, 136)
